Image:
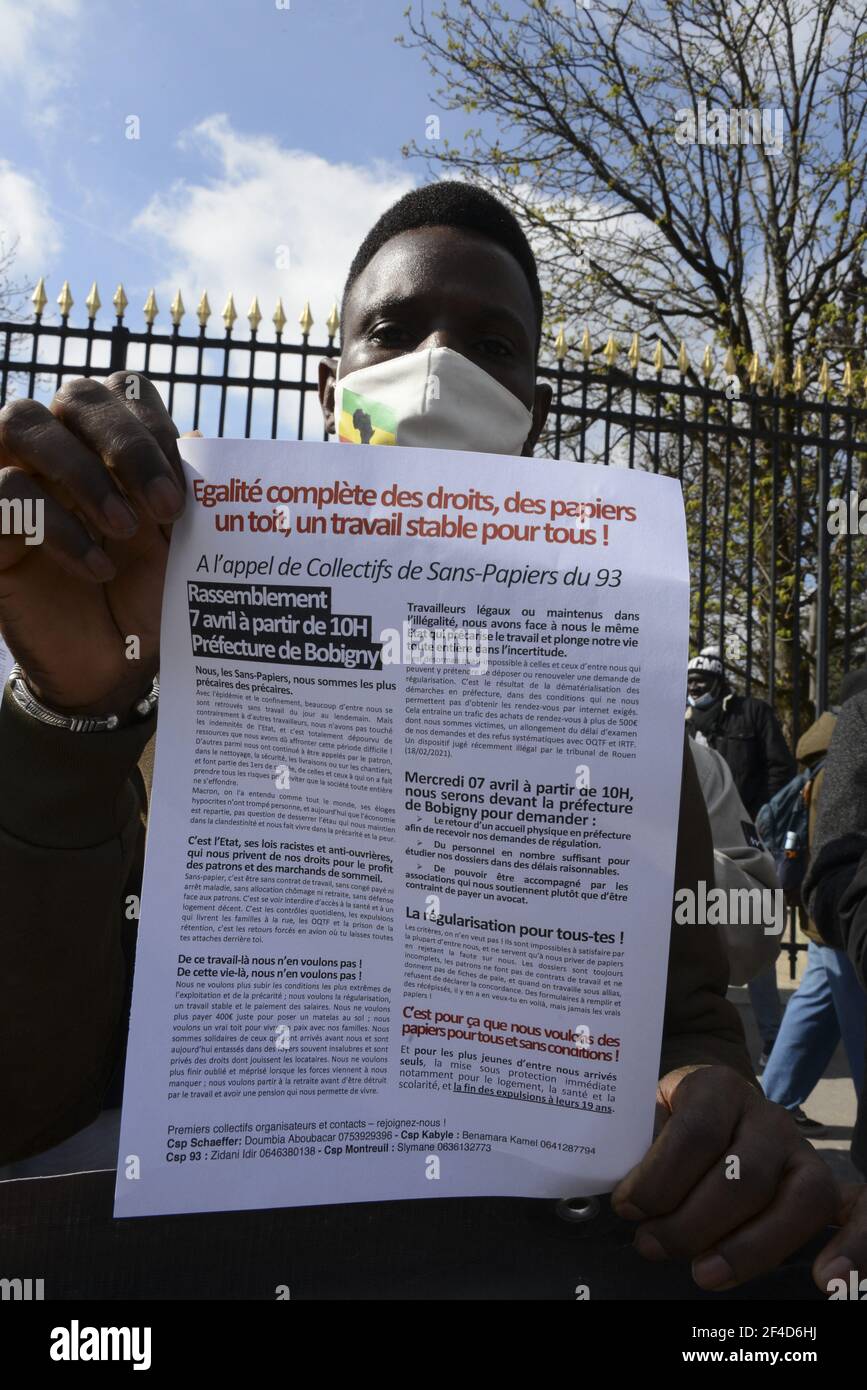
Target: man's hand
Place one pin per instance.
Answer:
(847, 1250)
(733, 1227)
(108, 473)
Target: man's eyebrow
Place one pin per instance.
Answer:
(397, 303)
(387, 304)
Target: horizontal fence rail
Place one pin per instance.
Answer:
(763, 461)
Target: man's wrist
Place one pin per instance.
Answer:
(118, 713)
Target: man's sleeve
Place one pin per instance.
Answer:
(700, 1023)
(70, 830)
(835, 888)
(740, 864)
(779, 760)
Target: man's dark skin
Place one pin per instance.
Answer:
(66, 608)
(698, 683)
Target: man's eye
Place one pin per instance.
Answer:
(496, 347)
(388, 334)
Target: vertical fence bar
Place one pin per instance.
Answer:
(250, 377)
(306, 322)
(702, 559)
(751, 536)
(823, 597)
(7, 358)
(848, 447)
(796, 662)
(64, 299)
(775, 503)
(558, 417)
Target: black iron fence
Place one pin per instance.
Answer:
(771, 462)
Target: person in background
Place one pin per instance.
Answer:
(828, 1004)
(741, 863)
(835, 888)
(747, 733)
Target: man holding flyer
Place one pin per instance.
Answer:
(444, 285)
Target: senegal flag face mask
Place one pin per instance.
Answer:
(433, 399)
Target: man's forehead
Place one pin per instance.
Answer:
(444, 262)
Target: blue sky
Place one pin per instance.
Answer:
(269, 141)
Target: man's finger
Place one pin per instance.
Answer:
(32, 438)
(805, 1203)
(62, 535)
(134, 450)
(847, 1250)
(704, 1116)
(139, 395)
(736, 1188)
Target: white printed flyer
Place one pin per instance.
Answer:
(408, 886)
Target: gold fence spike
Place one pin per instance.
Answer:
(798, 376)
(778, 375)
(730, 365)
(610, 351)
(279, 320)
(682, 359)
(177, 309)
(151, 309)
(658, 357)
(306, 320)
(65, 299)
(203, 312)
(93, 303)
(120, 301)
(254, 314)
(39, 298)
(847, 379)
(825, 379)
(634, 354)
(561, 347)
(586, 346)
(230, 313)
(707, 363)
(755, 373)
(332, 323)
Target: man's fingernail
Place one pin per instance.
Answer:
(712, 1272)
(99, 564)
(838, 1268)
(165, 498)
(119, 516)
(649, 1247)
(629, 1211)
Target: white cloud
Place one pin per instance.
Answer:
(35, 57)
(25, 220)
(228, 233)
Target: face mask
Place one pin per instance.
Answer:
(703, 701)
(434, 399)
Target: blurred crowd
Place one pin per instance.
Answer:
(796, 823)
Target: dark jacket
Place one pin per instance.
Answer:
(813, 748)
(748, 735)
(835, 888)
(72, 818)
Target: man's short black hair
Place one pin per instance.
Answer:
(451, 204)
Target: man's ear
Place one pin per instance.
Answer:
(541, 405)
(327, 381)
